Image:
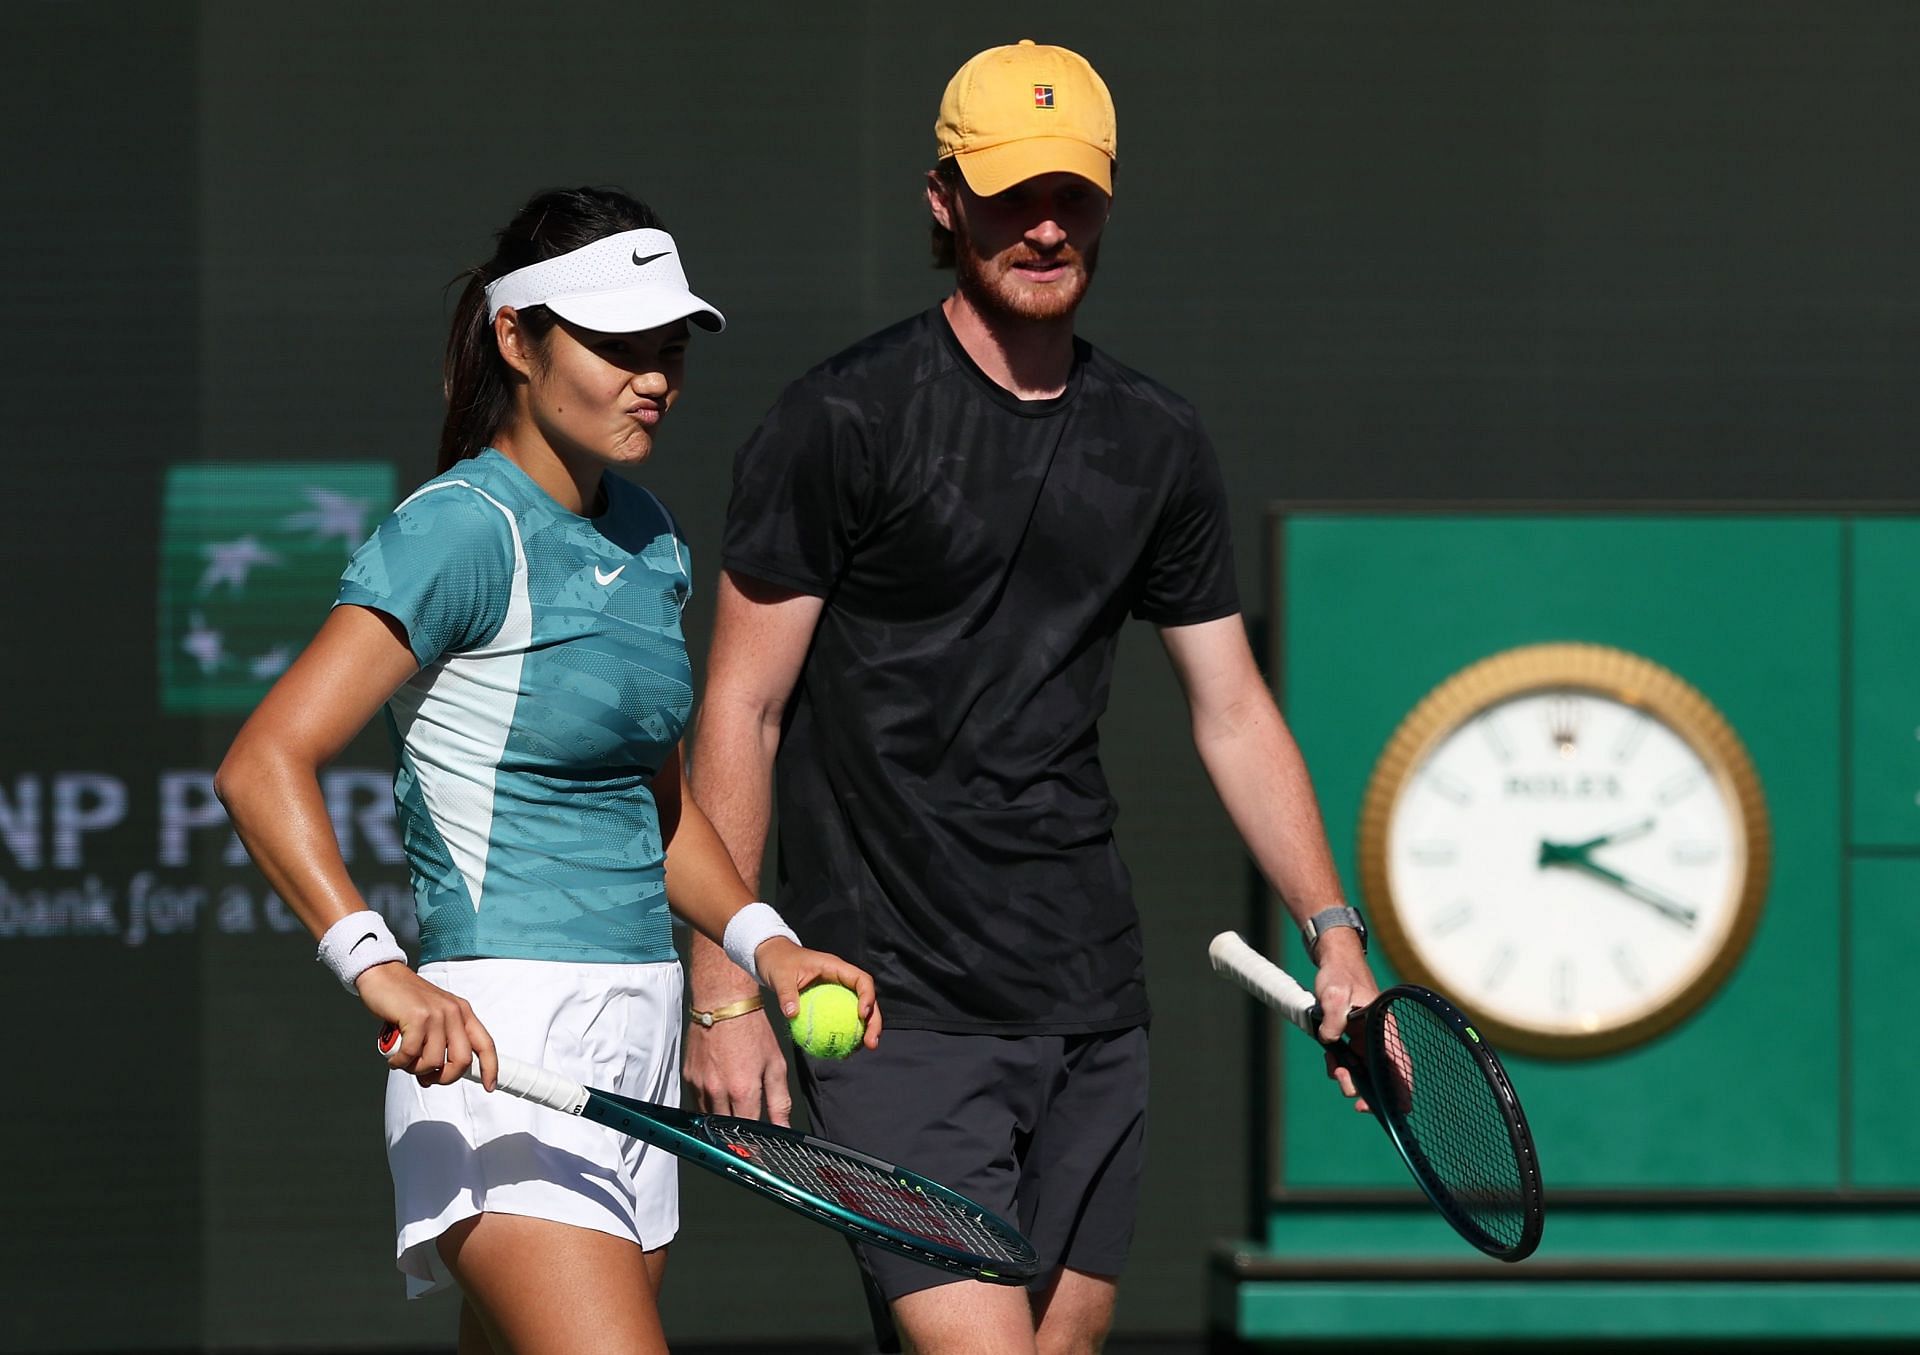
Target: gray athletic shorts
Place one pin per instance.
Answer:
(1048, 1131)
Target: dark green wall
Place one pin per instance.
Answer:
(1578, 250)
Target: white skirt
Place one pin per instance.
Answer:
(458, 1151)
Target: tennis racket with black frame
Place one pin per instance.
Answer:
(872, 1201)
(1438, 1090)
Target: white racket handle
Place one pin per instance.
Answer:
(524, 1080)
(1264, 979)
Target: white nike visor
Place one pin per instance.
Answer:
(625, 282)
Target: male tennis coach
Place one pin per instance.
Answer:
(933, 541)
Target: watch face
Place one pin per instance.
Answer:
(1570, 843)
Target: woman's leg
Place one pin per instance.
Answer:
(545, 1288)
(475, 1339)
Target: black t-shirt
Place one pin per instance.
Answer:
(943, 818)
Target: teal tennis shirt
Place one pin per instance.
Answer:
(553, 685)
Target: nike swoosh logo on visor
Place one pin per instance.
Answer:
(638, 260)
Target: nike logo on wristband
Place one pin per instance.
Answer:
(361, 942)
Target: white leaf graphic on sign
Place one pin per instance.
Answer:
(271, 664)
(206, 646)
(229, 561)
(332, 514)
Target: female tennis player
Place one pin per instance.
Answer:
(519, 619)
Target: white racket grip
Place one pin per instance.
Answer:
(525, 1080)
(532, 1083)
(1263, 978)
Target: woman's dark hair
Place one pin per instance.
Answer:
(556, 222)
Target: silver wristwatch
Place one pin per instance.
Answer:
(1328, 918)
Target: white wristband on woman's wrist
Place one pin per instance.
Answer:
(355, 944)
(747, 930)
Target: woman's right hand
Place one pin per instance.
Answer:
(439, 1034)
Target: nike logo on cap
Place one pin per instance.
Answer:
(604, 579)
(638, 260)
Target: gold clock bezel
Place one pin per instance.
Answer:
(1619, 676)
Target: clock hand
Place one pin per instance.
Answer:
(1625, 833)
(1659, 902)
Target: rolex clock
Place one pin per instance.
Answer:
(1570, 842)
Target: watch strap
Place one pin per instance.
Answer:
(726, 1013)
(1328, 918)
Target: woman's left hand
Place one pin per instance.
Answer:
(787, 968)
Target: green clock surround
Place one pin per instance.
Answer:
(1748, 1172)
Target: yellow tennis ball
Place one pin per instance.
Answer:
(828, 1024)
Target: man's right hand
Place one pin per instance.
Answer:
(736, 1068)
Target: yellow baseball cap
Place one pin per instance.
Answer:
(1013, 112)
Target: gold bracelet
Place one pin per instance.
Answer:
(726, 1013)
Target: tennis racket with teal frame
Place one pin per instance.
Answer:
(874, 1202)
(1438, 1090)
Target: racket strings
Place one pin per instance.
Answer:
(1452, 1121)
(862, 1188)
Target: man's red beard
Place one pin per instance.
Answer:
(988, 287)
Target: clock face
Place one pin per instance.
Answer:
(1569, 842)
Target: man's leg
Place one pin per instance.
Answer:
(1047, 1131)
(1075, 1313)
(956, 1108)
(1080, 1185)
(1072, 1316)
(967, 1318)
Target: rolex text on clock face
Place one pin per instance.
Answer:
(1565, 863)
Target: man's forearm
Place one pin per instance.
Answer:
(1258, 772)
(1261, 778)
(732, 779)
